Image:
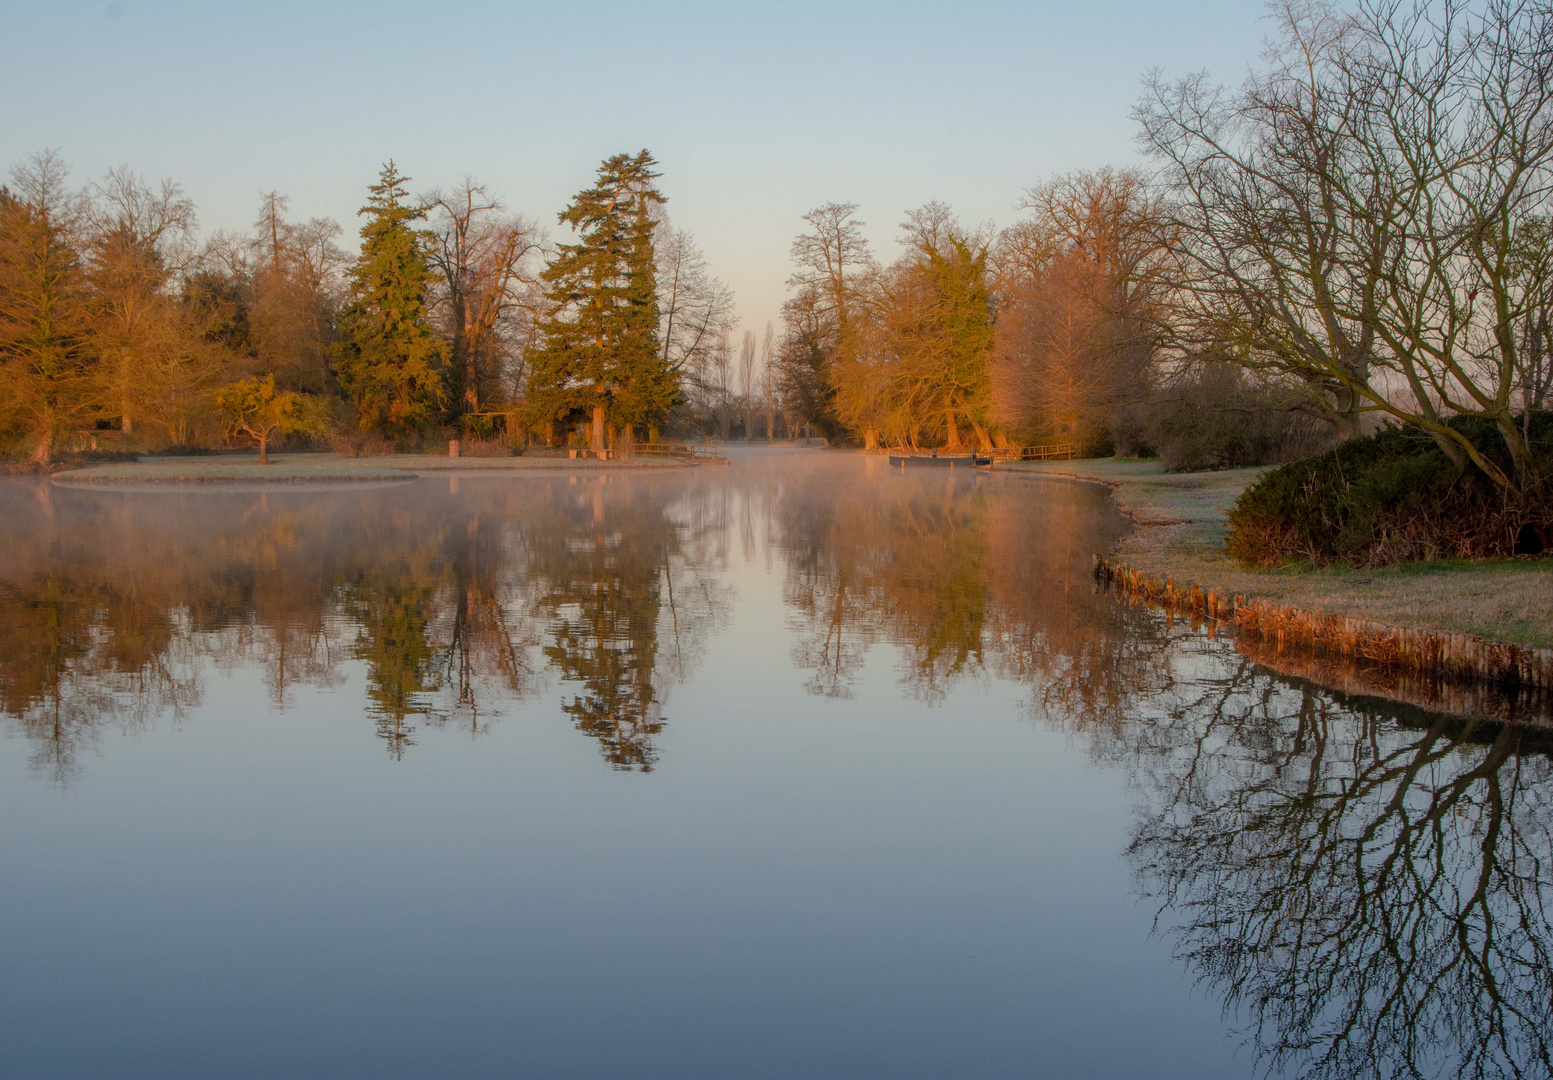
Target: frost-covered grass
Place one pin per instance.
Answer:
(1180, 518)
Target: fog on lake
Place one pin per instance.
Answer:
(802, 766)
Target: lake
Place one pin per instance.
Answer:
(799, 767)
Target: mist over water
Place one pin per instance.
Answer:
(803, 766)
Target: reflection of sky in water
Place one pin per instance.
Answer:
(908, 775)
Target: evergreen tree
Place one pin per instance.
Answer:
(46, 367)
(387, 360)
(601, 355)
(957, 273)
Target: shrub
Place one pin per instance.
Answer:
(1391, 497)
(1217, 419)
(95, 457)
(186, 450)
(360, 444)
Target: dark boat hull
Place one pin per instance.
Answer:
(947, 461)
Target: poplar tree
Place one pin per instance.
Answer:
(601, 356)
(387, 360)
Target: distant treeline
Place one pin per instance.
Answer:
(455, 317)
(1357, 235)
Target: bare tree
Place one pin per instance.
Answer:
(1358, 215)
(1079, 282)
(748, 351)
(142, 239)
(487, 265)
(835, 273)
(768, 381)
(295, 275)
(696, 311)
(719, 382)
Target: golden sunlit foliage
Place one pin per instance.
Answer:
(119, 325)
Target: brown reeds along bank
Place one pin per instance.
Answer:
(1396, 497)
(1523, 675)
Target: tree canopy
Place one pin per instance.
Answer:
(388, 362)
(601, 356)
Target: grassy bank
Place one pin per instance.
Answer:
(1181, 517)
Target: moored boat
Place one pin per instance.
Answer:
(941, 461)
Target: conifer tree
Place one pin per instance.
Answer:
(46, 367)
(601, 355)
(957, 274)
(387, 360)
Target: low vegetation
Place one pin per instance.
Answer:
(1394, 497)
(1182, 525)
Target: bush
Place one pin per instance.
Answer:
(1219, 419)
(360, 444)
(1391, 497)
(97, 457)
(186, 450)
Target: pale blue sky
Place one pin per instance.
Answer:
(756, 113)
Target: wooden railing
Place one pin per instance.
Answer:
(1057, 452)
(694, 451)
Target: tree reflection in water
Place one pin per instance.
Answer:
(954, 569)
(111, 604)
(605, 561)
(888, 558)
(1367, 886)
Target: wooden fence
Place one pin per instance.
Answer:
(694, 451)
(1057, 452)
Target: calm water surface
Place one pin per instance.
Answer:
(796, 768)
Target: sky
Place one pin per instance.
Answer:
(756, 113)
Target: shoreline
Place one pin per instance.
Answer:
(1331, 625)
(1179, 521)
(326, 468)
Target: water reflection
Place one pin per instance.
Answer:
(604, 565)
(453, 604)
(955, 571)
(1365, 886)
(1369, 886)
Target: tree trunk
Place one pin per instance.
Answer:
(870, 439)
(264, 449)
(1347, 425)
(983, 440)
(598, 429)
(770, 426)
(43, 454)
(953, 442)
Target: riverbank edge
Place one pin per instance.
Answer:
(328, 469)
(1429, 666)
(1443, 655)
